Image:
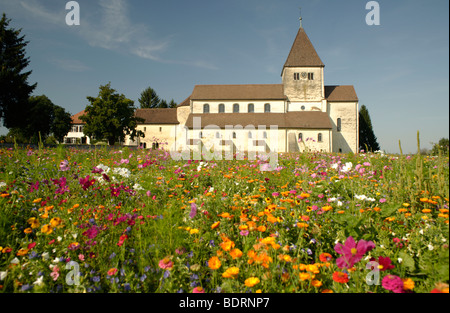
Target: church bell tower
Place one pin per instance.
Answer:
(302, 74)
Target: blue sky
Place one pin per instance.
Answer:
(400, 69)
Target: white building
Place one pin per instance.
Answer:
(304, 113)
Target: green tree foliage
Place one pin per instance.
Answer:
(442, 145)
(14, 88)
(110, 116)
(44, 118)
(61, 125)
(367, 139)
(149, 99)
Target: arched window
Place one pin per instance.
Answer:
(206, 108)
(234, 135)
(300, 137)
(338, 124)
(319, 137)
(267, 107)
(236, 108)
(251, 108)
(221, 108)
(250, 135)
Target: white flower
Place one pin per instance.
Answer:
(430, 247)
(421, 231)
(15, 261)
(347, 167)
(399, 260)
(339, 203)
(2, 184)
(3, 275)
(45, 256)
(39, 281)
(361, 197)
(137, 187)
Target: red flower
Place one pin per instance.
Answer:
(325, 257)
(340, 277)
(31, 245)
(384, 263)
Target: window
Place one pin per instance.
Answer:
(251, 108)
(160, 129)
(217, 135)
(200, 135)
(221, 108)
(206, 108)
(265, 135)
(267, 107)
(338, 124)
(319, 137)
(300, 137)
(310, 76)
(250, 135)
(296, 76)
(145, 129)
(236, 108)
(234, 135)
(303, 108)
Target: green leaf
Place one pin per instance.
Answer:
(408, 261)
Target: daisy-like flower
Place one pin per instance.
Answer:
(352, 252)
(252, 281)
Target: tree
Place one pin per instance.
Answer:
(14, 88)
(110, 116)
(44, 118)
(149, 99)
(62, 122)
(442, 145)
(367, 139)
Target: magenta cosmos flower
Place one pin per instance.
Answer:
(352, 252)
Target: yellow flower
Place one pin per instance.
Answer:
(426, 211)
(214, 263)
(193, 231)
(54, 222)
(252, 281)
(37, 200)
(27, 231)
(231, 272)
(46, 229)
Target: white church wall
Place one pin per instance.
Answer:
(347, 138)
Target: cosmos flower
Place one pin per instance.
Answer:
(352, 252)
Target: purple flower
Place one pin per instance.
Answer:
(193, 210)
(64, 166)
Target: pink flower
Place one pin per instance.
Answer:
(55, 273)
(198, 290)
(64, 166)
(392, 283)
(193, 210)
(112, 271)
(352, 252)
(165, 263)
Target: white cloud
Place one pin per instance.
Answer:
(108, 26)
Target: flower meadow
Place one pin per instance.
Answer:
(134, 220)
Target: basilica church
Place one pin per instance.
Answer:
(299, 114)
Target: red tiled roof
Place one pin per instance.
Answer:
(302, 52)
(76, 118)
(158, 116)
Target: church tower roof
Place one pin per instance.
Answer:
(302, 53)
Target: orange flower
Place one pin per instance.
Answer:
(304, 276)
(236, 253)
(231, 272)
(46, 229)
(325, 257)
(215, 225)
(227, 245)
(252, 281)
(316, 283)
(214, 263)
(262, 228)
